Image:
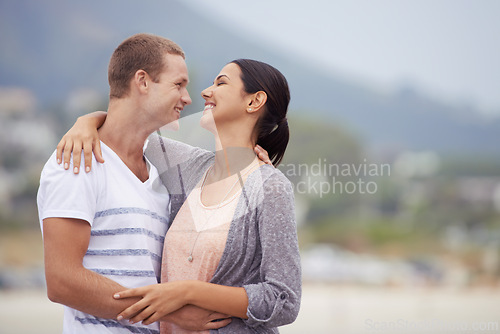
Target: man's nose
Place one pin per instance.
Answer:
(186, 99)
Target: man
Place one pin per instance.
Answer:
(103, 230)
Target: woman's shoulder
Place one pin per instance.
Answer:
(271, 173)
(270, 179)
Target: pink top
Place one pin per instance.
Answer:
(200, 230)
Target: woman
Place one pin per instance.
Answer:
(232, 247)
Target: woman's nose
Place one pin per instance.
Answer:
(206, 93)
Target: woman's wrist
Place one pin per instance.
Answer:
(94, 119)
(190, 291)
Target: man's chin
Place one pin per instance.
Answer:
(172, 126)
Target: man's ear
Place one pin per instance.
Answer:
(141, 81)
(257, 102)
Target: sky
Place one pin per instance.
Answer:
(449, 49)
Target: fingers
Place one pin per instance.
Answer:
(128, 293)
(216, 316)
(133, 312)
(256, 149)
(87, 156)
(265, 158)
(77, 156)
(146, 316)
(60, 148)
(68, 148)
(140, 311)
(87, 153)
(98, 151)
(153, 318)
(218, 324)
(217, 320)
(262, 154)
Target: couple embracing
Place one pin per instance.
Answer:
(166, 237)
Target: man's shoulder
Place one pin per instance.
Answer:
(55, 172)
(63, 194)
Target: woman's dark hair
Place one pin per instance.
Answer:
(272, 127)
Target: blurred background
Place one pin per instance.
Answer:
(394, 150)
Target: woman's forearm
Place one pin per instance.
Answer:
(96, 118)
(220, 298)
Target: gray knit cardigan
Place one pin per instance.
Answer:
(261, 253)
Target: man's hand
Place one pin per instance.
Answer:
(262, 154)
(194, 318)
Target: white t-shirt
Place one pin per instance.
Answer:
(128, 221)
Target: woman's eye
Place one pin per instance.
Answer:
(220, 83)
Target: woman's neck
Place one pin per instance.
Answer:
(232, 155)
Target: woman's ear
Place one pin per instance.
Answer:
(257, 102)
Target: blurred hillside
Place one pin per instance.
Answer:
(391, 187)
(58, 48)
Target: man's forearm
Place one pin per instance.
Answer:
(66, 241)
(87, 291)
(92, 293)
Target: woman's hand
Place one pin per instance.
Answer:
(157, 301)
(83, 135)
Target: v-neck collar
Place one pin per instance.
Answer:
(124, 165)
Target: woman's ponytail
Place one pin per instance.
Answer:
(275, 141)
(271, 130)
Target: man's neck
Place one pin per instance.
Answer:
(125, 133)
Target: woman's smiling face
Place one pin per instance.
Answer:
(226, 100)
